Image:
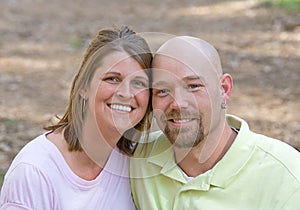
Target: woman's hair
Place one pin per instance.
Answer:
(107, 41)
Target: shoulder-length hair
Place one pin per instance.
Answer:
(107, 41)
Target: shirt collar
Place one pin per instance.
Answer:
(162, 155)
(223, 172)
(236, 157)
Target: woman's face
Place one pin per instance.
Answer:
(118, 94)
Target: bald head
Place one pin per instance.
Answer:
(192, 52)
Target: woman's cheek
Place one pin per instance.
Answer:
(143, 98)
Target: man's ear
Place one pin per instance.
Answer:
(226, 85)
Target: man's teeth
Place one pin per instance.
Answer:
(120, 107)
(181, 120)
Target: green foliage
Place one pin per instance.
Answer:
(291, 5)
(76, 43)
(8, 121)
(2, 173)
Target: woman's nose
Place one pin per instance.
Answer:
(124, 90)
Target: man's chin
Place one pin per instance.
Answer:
(183, 139)
(184, 145)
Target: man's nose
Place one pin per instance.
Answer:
(180, 99)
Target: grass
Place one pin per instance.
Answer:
(76, 43)
(2, 173)
(291, 5)
(9, 121)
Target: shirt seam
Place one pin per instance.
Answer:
(279, 161)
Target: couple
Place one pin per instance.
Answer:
(202, 158)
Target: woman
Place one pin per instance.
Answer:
(82, 161)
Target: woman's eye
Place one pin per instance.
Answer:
(139, 84)
(112, 79)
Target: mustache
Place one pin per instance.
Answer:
(173, 114)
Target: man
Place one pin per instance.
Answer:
(204, 158)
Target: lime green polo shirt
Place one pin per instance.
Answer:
(257, 172)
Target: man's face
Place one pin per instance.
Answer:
(185, 98)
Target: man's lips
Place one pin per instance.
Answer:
(181, 120)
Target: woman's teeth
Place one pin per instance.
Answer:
(120, 107)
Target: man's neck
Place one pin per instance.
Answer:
(198, 160)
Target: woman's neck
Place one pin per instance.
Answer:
(88, 163)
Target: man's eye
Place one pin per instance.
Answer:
(193, 86)
(161, 92)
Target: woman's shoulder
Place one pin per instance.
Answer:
(117, 163)
(36, 150)
(27, 187)
(37, 154)
(26, 180)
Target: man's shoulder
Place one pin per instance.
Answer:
(155, 135)
(278, 152)
(281, 152)
(156, 143)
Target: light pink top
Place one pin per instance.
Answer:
(39, 178)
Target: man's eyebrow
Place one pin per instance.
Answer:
(159, 83)
(185, 79)
(192, 77)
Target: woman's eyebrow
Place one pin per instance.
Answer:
(141, 77)
(112, 72)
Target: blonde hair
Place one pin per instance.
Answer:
(107, 41)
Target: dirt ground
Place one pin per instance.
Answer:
(42, 42)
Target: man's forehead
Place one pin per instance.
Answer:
(189, 51)
(166, 66)
(165, 77)
(182, 47)
(175, 68)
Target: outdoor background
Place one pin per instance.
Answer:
(41, 44)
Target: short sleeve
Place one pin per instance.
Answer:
(26, 187)
(293, 202)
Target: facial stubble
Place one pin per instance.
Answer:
(186, 136)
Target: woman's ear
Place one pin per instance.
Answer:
(226, 85)
(84, 93)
